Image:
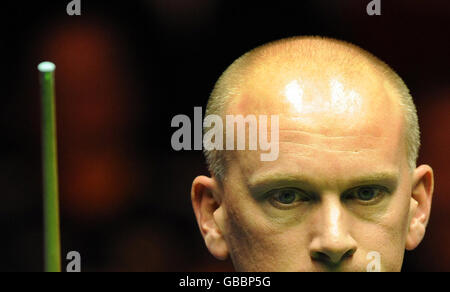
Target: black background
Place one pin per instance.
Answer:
(125, 68)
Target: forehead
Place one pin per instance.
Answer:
(328, 99)
(323, 159)
(329, 125)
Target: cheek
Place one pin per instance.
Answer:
(383, 240)
(247, 236)
(258, 244)
(386, 236)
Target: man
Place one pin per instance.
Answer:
(344, 190)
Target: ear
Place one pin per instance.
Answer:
(422, 192)
(205, 196)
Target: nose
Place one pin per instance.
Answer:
(332, 242)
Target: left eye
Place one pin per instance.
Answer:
(366, 194)
(286, 197)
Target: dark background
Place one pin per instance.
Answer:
(125, 68)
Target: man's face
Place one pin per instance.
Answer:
(340, 188)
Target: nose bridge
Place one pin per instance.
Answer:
(332, 217)
(332, 240)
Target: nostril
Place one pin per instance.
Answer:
(332, 257)
(349, 253)
(320, 256)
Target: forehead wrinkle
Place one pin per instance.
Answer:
(317, 147)
(320, 135)
(348, 143)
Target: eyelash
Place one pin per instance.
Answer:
(348, 195)
(351, 194)
(271, 196)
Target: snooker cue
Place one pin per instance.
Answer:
(52, 245)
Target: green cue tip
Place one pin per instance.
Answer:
(45, 67)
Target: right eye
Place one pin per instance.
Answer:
(287, 198)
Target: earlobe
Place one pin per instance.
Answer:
(421, 196)
(205, 196)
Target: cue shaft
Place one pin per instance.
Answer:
(52, 245)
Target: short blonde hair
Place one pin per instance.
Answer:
(310, 47)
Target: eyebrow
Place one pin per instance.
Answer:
(267, 182)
